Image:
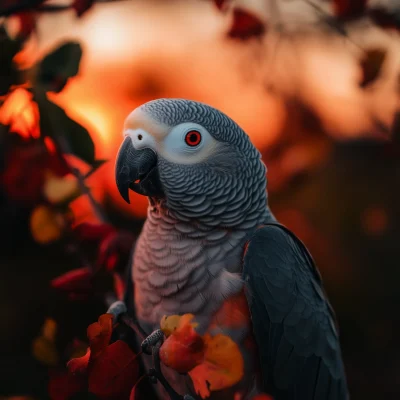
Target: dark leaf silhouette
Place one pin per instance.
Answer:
(95, 166)
(67, 133)
(349, 9)
(385, 18)
(81, 6)
(60, 65)
(8, 7)
(245, 25)
(371, 66)
(4, 132)
(8, 70)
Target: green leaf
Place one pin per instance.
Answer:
(57, 67)
(69, 136)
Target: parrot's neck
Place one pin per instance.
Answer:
(187, 267)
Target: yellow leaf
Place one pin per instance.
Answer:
(45, 351)
(171, 323)
(223, 366)
(43, 347)
(46, 224)
(49, 329)
(59, 190)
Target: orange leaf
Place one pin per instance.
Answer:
(184, 347)
(99, 334)
(223, 366)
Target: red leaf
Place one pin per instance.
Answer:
(245, 25)
(349, 9)
(77, 280)
(99, 335)
(58, 166)
(32, 156)
(18, 184)
(27, 23)
(220, 4)
(89, 232)
(135, 393)
(81, 6)
(262, 397)
(115, 251)
(114, 372)
(78, 366)
(62, 385)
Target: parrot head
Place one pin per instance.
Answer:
(191, 158)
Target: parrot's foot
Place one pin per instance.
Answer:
(151, 341)
(116, 309)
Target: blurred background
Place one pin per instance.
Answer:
(315, 84)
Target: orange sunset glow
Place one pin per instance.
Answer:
(137, 51)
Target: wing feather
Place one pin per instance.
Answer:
(293, 322)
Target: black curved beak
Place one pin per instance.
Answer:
(137, 170)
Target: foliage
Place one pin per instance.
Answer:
(212, 362)
(109, 371)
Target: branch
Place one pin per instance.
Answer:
(333, 23)
(29, 5)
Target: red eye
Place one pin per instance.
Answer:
(193, 138)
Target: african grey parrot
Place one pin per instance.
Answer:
(209, 236)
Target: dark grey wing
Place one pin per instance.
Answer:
(293, 323)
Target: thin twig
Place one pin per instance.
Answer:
(86, 191)
(160, 376)
(334, 23)
(131, 323)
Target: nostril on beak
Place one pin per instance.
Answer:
(140, 137)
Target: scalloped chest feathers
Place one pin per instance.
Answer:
(182, 269)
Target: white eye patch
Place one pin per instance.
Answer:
(187, 143)
(140, 138)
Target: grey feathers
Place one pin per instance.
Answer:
(292, 320)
